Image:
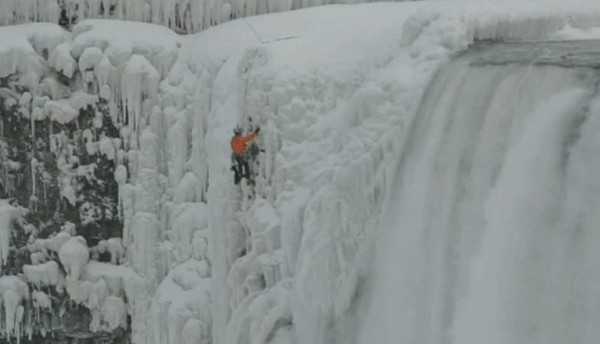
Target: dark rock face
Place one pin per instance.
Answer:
(58, 176)
(95, 209)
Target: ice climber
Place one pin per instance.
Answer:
(241, 167)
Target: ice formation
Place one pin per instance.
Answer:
(52, 244)
(45, 274)
(41, 300)
(181, 305)
(8, 215)
(113, 246)
(74, 255)
(13, 291)
(201, 260)
(315, 213)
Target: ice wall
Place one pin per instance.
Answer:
(342, 125)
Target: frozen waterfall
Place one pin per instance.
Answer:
(492, 232)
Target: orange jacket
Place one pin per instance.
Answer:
(238, 142)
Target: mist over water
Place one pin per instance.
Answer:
(493, 234)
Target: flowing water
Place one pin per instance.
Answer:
(493, 235)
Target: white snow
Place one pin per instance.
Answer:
(120, 40)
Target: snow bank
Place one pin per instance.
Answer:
(22, 46)
(119, 40)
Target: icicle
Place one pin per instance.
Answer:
(177, 143)
(11, 302)
(193, 331)
(8, 215)
(96, 299)
(40, 300)
(139, 81)
(114, 312)
(18, 320)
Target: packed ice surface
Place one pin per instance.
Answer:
(187, 16)
(289, 260)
